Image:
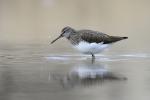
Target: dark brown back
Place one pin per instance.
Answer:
(98, 37)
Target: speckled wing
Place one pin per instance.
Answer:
(98, 37)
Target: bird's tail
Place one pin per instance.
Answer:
(124, 38)
(116, 38)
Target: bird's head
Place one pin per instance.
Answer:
(65, 32)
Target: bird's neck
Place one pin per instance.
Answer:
(74, 39)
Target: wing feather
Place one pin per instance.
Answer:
(93, 36)
(98, 37)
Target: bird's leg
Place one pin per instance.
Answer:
(93, 58)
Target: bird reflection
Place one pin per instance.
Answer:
(87, 75)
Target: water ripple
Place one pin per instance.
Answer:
(120, 57)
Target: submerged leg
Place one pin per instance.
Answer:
(93, 58)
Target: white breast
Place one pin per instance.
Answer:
(88, 48)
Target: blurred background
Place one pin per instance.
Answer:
(28, 63)
(40, 21)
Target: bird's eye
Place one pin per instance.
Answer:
(64, 31)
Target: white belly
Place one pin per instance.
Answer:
(88, 48)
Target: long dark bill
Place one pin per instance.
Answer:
(56, 39)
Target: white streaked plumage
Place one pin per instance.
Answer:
(88, 48)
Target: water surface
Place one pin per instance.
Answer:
(32, 72)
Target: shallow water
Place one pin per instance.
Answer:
(32, 72)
